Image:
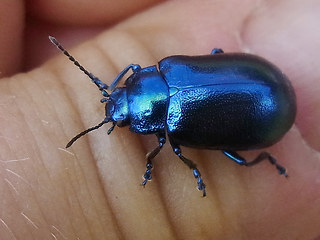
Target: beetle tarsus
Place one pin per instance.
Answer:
(191, 165)
(148, 173)
(281, 169)
(262, 156)
(143, 184)
(201, 185)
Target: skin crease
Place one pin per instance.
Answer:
(92, 190)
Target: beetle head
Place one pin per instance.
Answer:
(116, 112)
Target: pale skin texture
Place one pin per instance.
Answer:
(92, 190)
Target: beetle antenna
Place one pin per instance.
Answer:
(102, 86)
(86, 131)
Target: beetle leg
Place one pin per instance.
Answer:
(134, 67)
(217, 50)
(192, 166)
(262, 156)
(151, 155)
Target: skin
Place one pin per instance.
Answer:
(92, 190)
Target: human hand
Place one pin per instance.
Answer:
(92, 190)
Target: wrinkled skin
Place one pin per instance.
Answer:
(92, 191)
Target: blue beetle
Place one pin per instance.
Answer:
(222, 101)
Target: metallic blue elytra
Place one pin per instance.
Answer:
(227, 101)
(222, 101)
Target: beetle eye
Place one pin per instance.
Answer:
(110, 108)
(122, 121)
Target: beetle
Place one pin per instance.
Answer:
(222, 101)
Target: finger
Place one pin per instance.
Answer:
(37, 48)
(150, 39)
(85, 13)
(165, 205)
(72, 22)
(11, 31)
